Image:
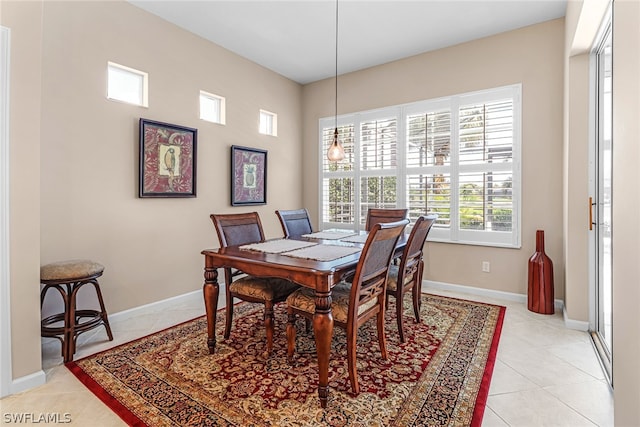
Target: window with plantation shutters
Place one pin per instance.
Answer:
(458, 157)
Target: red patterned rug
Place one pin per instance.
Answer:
(439, 377)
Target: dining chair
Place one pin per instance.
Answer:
(294, 222)
(409, 272)
(240, 229)
(377, 215)
(354, 303)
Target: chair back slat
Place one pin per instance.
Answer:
(373, 267)
(379, 215)
(413, 252)
(294, 222)
(238, 229)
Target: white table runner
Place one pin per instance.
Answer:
(323, 252)
(277, 246)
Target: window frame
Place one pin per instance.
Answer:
(274, 123)
(222, 105)
(143, 87)
(454, 233)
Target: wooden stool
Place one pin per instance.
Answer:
(67, 277)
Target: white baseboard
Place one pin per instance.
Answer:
(578, 325)
(191, 299)
(28, 382)
(507, 296)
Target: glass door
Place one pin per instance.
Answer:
(602, 203)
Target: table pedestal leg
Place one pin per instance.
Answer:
(323, 328)
(211, 290)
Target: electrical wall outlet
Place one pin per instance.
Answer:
(486, 266)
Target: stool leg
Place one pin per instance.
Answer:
(103, 311)
(64, 336)
(68, 345)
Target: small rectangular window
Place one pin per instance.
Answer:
(127, 85)
(268, 123)
(212, 108)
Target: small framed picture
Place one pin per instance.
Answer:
(167, 160)
(248, 176)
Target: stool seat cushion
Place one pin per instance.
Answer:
(72, 269)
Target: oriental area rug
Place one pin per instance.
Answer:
(439, 377)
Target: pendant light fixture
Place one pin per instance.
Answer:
(336, 151)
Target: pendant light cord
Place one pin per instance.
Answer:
(336, 98)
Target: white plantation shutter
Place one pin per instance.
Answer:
(378, 146)
(338, 182)
(458, 157)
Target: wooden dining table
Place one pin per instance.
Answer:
(315, 274)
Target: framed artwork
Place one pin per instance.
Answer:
(167, 160)
(248, 176)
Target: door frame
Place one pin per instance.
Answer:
(6, 374)
(605, 27)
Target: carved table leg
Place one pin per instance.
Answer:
(323, 329)
(211, 289)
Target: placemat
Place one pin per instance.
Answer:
(330, 234)
(277, 246)
(323, 252)
(361, 238)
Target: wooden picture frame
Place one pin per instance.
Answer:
(248, 176)
(167, 160)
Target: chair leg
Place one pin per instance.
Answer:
(382, 341)
(291, 334)
(415, 291)
(229, 301)
(351, 361)
(399, 312)
(228, 318)
(269, 320)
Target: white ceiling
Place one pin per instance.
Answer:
(296, 38)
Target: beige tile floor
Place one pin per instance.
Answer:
(545, 375)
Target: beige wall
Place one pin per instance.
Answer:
(24, 215)
(532, 56)
(626, 193)
(150, 247)
(74, 154)
(576, 175)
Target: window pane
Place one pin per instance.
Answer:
(486, 132)
(429, 139)
(268, 123)
(339, 203)
(126, 84)
(378, 146)
(377, 192)
(429, 194)
(346, 138)
(212, 107)
(486, 201)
